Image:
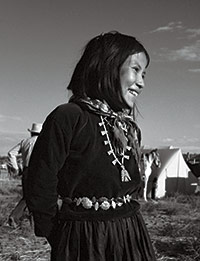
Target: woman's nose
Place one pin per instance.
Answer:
(140, 81)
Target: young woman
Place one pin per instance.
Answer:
(88, 155)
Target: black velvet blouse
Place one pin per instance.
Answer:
(71, 160)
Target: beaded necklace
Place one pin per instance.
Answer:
(125, 177)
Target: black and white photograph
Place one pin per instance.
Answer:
(99, 130)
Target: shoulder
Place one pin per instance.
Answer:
(66, 109)
(67, 114)
(28, 141)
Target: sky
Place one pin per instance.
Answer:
(42, 40)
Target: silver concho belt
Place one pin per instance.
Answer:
(100, 203)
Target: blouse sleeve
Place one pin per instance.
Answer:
(49, 154)
(12, 157)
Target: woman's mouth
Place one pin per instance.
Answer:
(133, 92)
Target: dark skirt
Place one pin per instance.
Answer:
(122, 239)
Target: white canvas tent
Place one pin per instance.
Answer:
(173, 176)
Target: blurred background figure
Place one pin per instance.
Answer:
(194, 165)
(22, 151)
(154, 187)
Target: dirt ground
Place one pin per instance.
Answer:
(173, 224)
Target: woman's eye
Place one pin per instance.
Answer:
(135, 69)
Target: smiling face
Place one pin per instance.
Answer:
(132, 75)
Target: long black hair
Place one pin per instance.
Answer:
(96, 75)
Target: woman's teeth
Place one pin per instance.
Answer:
(133, 92)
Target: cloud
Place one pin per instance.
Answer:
(191, 144)
(188, 53)
(193, 32)
(167, 140)
(170, 27)
(178, 27)
(193, 149)
(194, 70)
(6, 117)
(190, 140)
